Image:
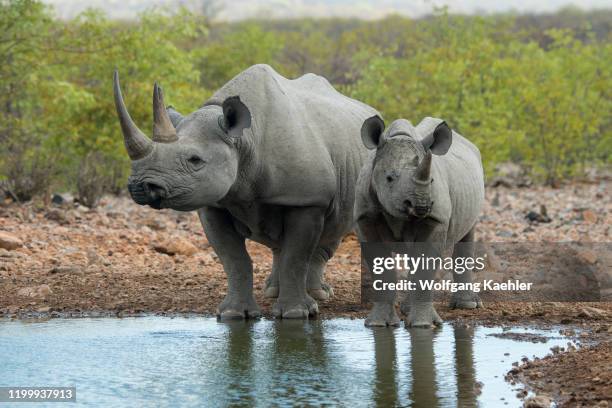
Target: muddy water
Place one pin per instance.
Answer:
(199, 362)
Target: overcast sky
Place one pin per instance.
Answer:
(240, 9)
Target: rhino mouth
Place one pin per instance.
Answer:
(142, 196)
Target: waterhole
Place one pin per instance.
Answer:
(161, 361)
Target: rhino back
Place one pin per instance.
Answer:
(305, 133)
(463, 183)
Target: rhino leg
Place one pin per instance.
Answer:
(419, 306)
(272, 286)
(465, 299)
(239, 302)
(302, 230)
(383, 302)
(317, 288)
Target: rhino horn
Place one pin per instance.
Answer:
(137, 143)
(163, 130)
(423, 170)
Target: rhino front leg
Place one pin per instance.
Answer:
(239, 302)
(383, 312)
(421, 312)
(302, 230)
(465, 299)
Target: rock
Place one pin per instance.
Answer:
(541, 216)
(92, 256)
(66, 269)
(504, 233)
(176, 246)
(510, 175)
(60, 199)
(589, 216)
(35, 291)
(44, 309)
(592, 312)
(59, 216)
(156, 224)
(9, 241)
(589, 257)
(539, 401)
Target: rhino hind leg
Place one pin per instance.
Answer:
(272, 285)
(316, 286)
(465, 299)
(302, 231)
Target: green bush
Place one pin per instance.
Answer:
(521, 89)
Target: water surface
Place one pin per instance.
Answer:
(197, 362)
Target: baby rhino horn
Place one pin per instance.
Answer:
(422, 172)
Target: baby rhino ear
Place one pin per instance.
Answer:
(371, 131)
(437, 135)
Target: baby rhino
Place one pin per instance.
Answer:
(420, 184)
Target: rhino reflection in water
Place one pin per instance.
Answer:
(267, 159)
(299, 364)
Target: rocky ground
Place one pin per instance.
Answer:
(124, 259)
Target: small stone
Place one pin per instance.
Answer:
(539, 401)
(35, 291)
(66, 269)
(589, 311)
(59, 216)
(9, 241)
(176, 246)
(62, 199)
(44, 309)
(589, 216)
(589, 257)
(504, 233)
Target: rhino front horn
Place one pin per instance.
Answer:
(163, 130)
(137, 143)
(423, 171)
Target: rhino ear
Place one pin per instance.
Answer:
(175, 116)
(438, 136)
(236, 116)
(371, 131)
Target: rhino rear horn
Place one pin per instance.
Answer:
(163, 129)
(137, 143)
(175, 117)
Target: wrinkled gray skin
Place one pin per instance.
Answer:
(267, 159)
(397, 200)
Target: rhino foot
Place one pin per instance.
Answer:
(323, 293)
(465, 300)
(295, 308)
(233, 308)
(381, 315)
(423, 315)
(271, 292)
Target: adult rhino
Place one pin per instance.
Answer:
(266, 158)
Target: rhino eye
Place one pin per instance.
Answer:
(195, 161)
